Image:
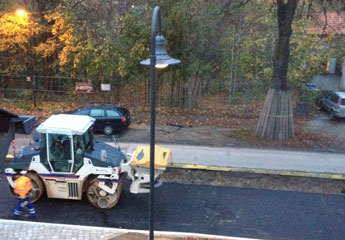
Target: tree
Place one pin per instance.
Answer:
(15, 44)
(276, 119)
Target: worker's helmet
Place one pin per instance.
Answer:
(18, 174)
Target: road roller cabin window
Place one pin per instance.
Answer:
(43, 151)
(79, 149)
(60, 155)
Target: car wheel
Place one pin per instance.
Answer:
(318, 102)
(108, 130)
(101, 199)
(37, 187)
(332, 116)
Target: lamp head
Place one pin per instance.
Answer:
(162, 57)
(21, 12)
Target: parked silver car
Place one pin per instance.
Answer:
(334, 103)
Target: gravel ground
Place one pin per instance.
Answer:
(177, 135)
(322, 124)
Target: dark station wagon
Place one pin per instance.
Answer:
(109, 117)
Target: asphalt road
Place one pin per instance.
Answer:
(229, 211)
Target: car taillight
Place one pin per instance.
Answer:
(123, 119)
(339, 103)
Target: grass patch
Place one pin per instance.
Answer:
(247, 135)
(243, 134)
(24, 105)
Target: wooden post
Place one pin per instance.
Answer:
(276, 119)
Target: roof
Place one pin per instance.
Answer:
(7, 114)
(66, 124)
(331, 22)
(103, 105)
(341, 94)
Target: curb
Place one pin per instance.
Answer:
(259, 171)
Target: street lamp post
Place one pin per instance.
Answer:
(158, 59)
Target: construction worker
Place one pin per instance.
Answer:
(22, 187)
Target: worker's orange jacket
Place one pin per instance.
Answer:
(22, 186)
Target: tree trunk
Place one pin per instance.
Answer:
(193, 95)
(172, 86)
(232, 83)
(276, 119)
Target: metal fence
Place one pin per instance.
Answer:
(38, 89)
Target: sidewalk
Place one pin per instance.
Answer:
(267, 161)
(258, 160)
(22, 230)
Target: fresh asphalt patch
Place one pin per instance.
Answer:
(254, 180)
